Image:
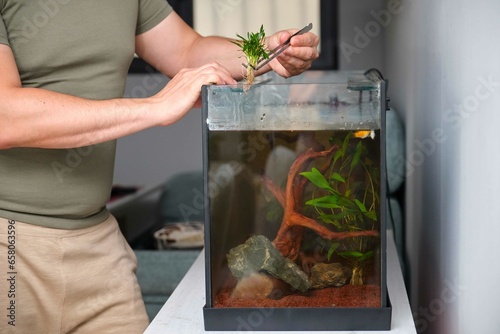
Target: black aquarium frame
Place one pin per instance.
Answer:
(328, 59)
(297, 318)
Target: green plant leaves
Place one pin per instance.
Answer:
(336, 176)
(346, 142)
(360, 257)
(332, 250)
(360, 205)
(371, 214)
(345, 197)
(253, 46)
(333, 218)
(317, 179)
(327, 202)
(335, 200)
(357, 155)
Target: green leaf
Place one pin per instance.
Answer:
(371, 214)
(338, 177)
(360, 257)
(360, 205)
(337, 155)
(331, 219)
(346, 142)
(347, 203)
(328, 202)
(353, 254)
(332, 249)
(317, 179)
(253, 46)
(357, 155)
(366, 255)
(334, 217)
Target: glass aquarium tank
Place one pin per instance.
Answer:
(295, 183)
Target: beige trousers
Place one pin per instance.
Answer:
(68, 281)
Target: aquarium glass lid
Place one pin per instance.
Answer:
(312, 101)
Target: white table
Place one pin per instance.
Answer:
(183, 312)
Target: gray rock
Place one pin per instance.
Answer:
(324, 275)
(258, 254)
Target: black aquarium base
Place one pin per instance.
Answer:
(298, 319)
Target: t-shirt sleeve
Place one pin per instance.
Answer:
(151, 12)
(4, 39)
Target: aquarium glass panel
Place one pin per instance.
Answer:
(294, 182)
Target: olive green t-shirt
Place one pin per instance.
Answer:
(82, 48)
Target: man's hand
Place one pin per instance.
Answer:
(183, 92)
(298, 57)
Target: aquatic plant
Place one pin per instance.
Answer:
(254, 49)
(289, 236)
(347, 201)
(358, 261)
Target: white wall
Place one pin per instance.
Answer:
(443, 62)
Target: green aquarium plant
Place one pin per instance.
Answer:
(345, 197)
(254, 49)
(358, 261)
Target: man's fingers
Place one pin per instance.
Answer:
(307, 39)
(300, 53)
(214, 73)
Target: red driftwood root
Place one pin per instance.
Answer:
(290, 234)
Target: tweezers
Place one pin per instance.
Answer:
(279, 49)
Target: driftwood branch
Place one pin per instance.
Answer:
(290, 234)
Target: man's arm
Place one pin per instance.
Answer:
(34, 117)
(173, 40)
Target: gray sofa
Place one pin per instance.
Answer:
(159, 273)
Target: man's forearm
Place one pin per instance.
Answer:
(185, 48)
(34, 117)
(53, 120)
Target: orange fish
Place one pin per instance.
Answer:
(364, 133)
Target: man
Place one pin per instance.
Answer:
(63, 66)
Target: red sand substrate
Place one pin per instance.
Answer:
(346, 296)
